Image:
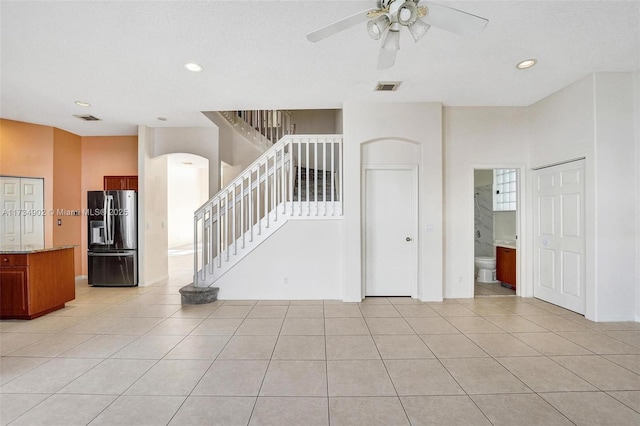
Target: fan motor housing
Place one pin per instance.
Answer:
(387, 3)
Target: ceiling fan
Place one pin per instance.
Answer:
(386, 21)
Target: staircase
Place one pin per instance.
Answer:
(299, 177)
(263, 127)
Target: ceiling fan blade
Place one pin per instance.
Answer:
(386, 58)
(454, 20)
(338, 26)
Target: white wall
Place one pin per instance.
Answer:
(637, 127)
(299, 261)
(482, 178)
(152, 211)
(187, 189)
(561, 129)
(596, 118)
(234, 148)
(314, 121)
(153, 144)
(244, 153)
(616, 206)
(505, 225)
(419, 123)
(339, 122)
(202, 141)
(483, 138)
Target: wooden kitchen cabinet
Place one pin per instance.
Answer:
(14, 300)
(35, 282)
(506, 266)
(114, 183)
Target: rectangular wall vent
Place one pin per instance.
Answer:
(387, 86)
(87, 117)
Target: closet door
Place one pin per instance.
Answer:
(9, 208)
(32, 201)
(21, 211)
(559, 235)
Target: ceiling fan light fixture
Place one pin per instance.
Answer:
(418, 29)
(377, 26)
(407, 13)
(391, 40)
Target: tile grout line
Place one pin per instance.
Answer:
(385, 366)
(326, 365)
(205, 372)
(253, 409)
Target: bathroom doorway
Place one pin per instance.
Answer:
(496, 229)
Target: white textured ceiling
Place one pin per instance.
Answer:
(126, 58)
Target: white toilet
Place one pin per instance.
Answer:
(486, 269)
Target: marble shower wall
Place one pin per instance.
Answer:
(483, 218)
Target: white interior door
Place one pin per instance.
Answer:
(9, 206)
(22, 211)
(390, 230)
(32, 200)
(559, 240)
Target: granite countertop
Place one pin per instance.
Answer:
(505, 243)
(30, 248)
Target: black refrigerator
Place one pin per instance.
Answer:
(113, 238)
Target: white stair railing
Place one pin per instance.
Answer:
(300, 177)
(266, 127)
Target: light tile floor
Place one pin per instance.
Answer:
(135, 356)
(496, 289)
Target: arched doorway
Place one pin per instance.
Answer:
(187, 189)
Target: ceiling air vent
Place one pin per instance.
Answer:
(87, 117)
(387, 86)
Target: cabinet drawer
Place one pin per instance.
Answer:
(14, 260)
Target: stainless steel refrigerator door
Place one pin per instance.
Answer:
(113, 269)
(112, 220)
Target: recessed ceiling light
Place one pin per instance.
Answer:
(527, 63)
(82, 103)
(192, 66)
(162, 118)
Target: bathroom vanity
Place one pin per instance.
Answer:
(506, 263)
(35, 280)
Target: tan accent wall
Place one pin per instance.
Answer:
(71, 165)
(104, 156)
(26, 150)
(66, 193)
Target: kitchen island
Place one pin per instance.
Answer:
(35, 280)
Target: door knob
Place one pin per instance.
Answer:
(408, 239)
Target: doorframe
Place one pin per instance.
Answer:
(523, 287)
(415, 210)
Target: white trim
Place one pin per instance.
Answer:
(546, 166)
(153, 281)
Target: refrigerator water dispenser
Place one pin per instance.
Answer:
(97, 232)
